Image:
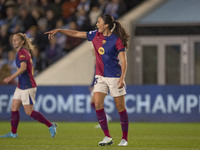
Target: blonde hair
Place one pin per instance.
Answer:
(27, 42)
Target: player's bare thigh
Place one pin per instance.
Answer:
(99, 100)
(16, 103)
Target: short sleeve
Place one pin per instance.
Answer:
(91, 35)
(119, 45)
(23, 56)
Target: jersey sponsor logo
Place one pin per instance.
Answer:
(22, 56)
(101, 50)
(104, 42)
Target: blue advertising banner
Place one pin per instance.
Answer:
(143, 103)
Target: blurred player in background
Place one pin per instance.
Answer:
(110, 41)
(25, 92)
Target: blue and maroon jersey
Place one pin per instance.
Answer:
(107, 49)
(26, 79)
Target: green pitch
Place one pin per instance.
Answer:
(83, 136)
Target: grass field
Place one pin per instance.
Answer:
(81, 135)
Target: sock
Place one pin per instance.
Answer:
(93, 105)
(15, 117)
(39, 117)
(124, 124)
(101, 116)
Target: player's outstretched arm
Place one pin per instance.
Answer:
(19, 71)
(72, 33)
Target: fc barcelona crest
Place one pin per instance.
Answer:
(104, 42)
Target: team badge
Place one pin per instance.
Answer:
(104, 42)
(101, 50)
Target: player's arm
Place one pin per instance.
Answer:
(123, 60)
(23, 66)
(72, 33)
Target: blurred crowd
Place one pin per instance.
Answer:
(34, 17)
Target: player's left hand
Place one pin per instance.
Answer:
(120, 83)
(7, 80)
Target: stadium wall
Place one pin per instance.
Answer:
(77, 68)
(144, 103)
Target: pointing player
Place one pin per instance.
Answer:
(109, 42)
(26, 90)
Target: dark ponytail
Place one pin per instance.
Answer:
(116, 28)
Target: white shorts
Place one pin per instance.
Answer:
(103, 84)
(27, 96)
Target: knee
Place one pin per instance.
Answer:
(120, 107)
(15, 105)
(28, 112)
(14, 108)
(98, 105)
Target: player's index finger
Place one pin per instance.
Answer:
(47, 32)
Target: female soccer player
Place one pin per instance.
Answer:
(109, 42)
(26, 90)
